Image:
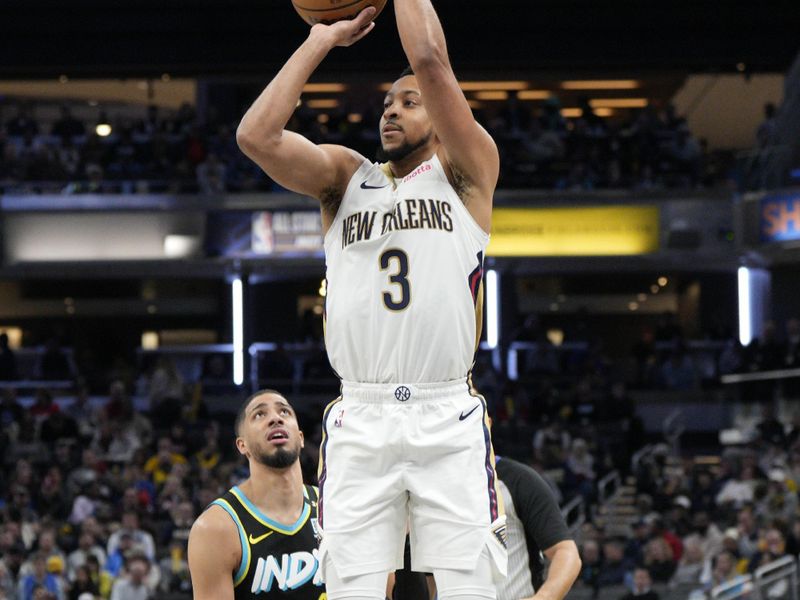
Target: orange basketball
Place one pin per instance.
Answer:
(330, 11)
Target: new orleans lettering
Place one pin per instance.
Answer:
(357, 227)
(418, 214)
(411, 213)
(293, 571)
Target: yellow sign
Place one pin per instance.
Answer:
(581, 231)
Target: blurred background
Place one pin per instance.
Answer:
(641, 343)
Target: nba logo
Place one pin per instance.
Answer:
(339, 418)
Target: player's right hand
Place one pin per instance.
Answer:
(347, 32)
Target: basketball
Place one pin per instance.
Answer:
(330, 11)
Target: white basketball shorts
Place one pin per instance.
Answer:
(400, 457)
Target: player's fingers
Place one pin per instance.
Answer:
(363, 32)
(364, 17)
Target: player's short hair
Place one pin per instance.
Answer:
(243, 408)
(406, 72)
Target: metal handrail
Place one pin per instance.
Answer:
(760, 376)
(605, 482)
(576, 506)
(778, 570)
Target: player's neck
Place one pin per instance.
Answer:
(278, 493)
(404, 166)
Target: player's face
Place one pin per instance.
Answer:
(270, 433)
(405, 125)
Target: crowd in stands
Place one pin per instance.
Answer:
(98, 496)
(183, 152)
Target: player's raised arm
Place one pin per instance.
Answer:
(469, 150)
(214, 555)
(289, 158)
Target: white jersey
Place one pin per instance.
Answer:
(404, 270)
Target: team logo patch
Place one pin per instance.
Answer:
(402, 393)
(501, 533)
(339, 418)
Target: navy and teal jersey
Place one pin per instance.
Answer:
(278, 561)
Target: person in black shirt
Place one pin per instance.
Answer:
(260, 538)
(536, 529)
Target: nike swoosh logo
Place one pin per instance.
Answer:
(464, 416)
(260, 538)
(364, 186)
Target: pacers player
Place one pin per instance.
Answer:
(260, 538)
(407, 443)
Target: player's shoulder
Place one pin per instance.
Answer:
(215, 523)
(347, 160)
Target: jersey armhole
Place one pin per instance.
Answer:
(244, 564)
(366, 165)
(480, 236)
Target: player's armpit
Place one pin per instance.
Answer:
(214, 554)
(298, 164)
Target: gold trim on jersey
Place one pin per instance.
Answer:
(274, 525)
(387, 170)
(479, 315)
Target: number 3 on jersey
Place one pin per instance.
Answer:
(399, 277)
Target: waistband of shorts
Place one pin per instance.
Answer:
(402, 392)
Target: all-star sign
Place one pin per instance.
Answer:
(580, 231)
(780, 217)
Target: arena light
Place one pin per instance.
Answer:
(492, 309)
(323, 103)
(103, 129)
(492, 95)
(238, 331)
(324, 88)
(571, 113)
(482, 86)
(745, 314)
(534, 95)
(601, 84)
(618, 102)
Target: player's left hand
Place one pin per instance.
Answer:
(347, 32)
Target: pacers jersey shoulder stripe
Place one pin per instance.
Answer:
(279, 561)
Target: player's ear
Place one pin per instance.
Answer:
(302, 440)
(241, 446)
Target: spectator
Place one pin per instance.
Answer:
(642, 586)
(767, 132)
(82, 584)
(133, 585)
(40, 576)
(53, 363)
(78, 557)
(592, 564)
(140, 538)
(160, 465)
(211, 175)
(772, 546)
(165, 392)
(11, 411)
(690, 567)
(23, 123)
(615, 566)
(8, 361)
(659, 560)
(67, 127)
